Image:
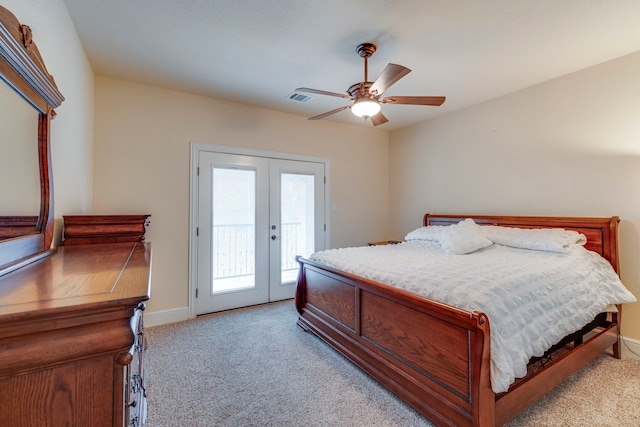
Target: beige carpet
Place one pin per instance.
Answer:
(255, 367)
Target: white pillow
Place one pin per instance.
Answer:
(540, 239)
(431, 233)
(462, 238)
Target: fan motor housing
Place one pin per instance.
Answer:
(360, 90)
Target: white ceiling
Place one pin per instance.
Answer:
(258, 51)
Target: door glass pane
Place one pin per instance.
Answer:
(296, 215)
(233, 231)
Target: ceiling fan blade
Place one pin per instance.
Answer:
(379, 119)
(391, 74)
(328, 113)
(322, 92)
(414, 100)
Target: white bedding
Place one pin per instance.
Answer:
(532, 298)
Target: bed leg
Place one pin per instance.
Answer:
(617, 346)
(617, 349)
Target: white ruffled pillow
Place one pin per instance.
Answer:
(540, 239)
(463, 238)
(431, 233)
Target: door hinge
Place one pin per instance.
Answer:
(198, 171)
(325, 227)
(325, 179)
(196, 292)
(197, 231)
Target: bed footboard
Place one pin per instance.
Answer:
(434, 357)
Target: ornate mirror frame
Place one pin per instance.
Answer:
(22, 68)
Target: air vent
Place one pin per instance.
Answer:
(298, 97)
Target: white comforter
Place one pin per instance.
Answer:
(532, 298)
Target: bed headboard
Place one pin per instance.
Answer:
(601, 233)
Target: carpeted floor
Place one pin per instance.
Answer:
(255, 367)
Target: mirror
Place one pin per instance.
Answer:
(27, 99)
(18, 160)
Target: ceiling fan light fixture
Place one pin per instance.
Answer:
(365, 107)
(365, 96)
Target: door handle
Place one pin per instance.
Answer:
(274, 237)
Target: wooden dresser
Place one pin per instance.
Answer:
(71, 338)
(71, 332)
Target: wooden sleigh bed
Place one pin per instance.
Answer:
(442, 368)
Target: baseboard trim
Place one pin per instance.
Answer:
(630, 348)
(162, 317)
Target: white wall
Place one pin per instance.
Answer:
(72, 129)
(142, 155)
(570, 146)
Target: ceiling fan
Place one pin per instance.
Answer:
(366, 95)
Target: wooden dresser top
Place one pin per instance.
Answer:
(76, 278)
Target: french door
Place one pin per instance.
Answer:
(255, 214)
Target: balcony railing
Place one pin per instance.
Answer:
(234, 248)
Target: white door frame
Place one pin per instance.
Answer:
(196, 148)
